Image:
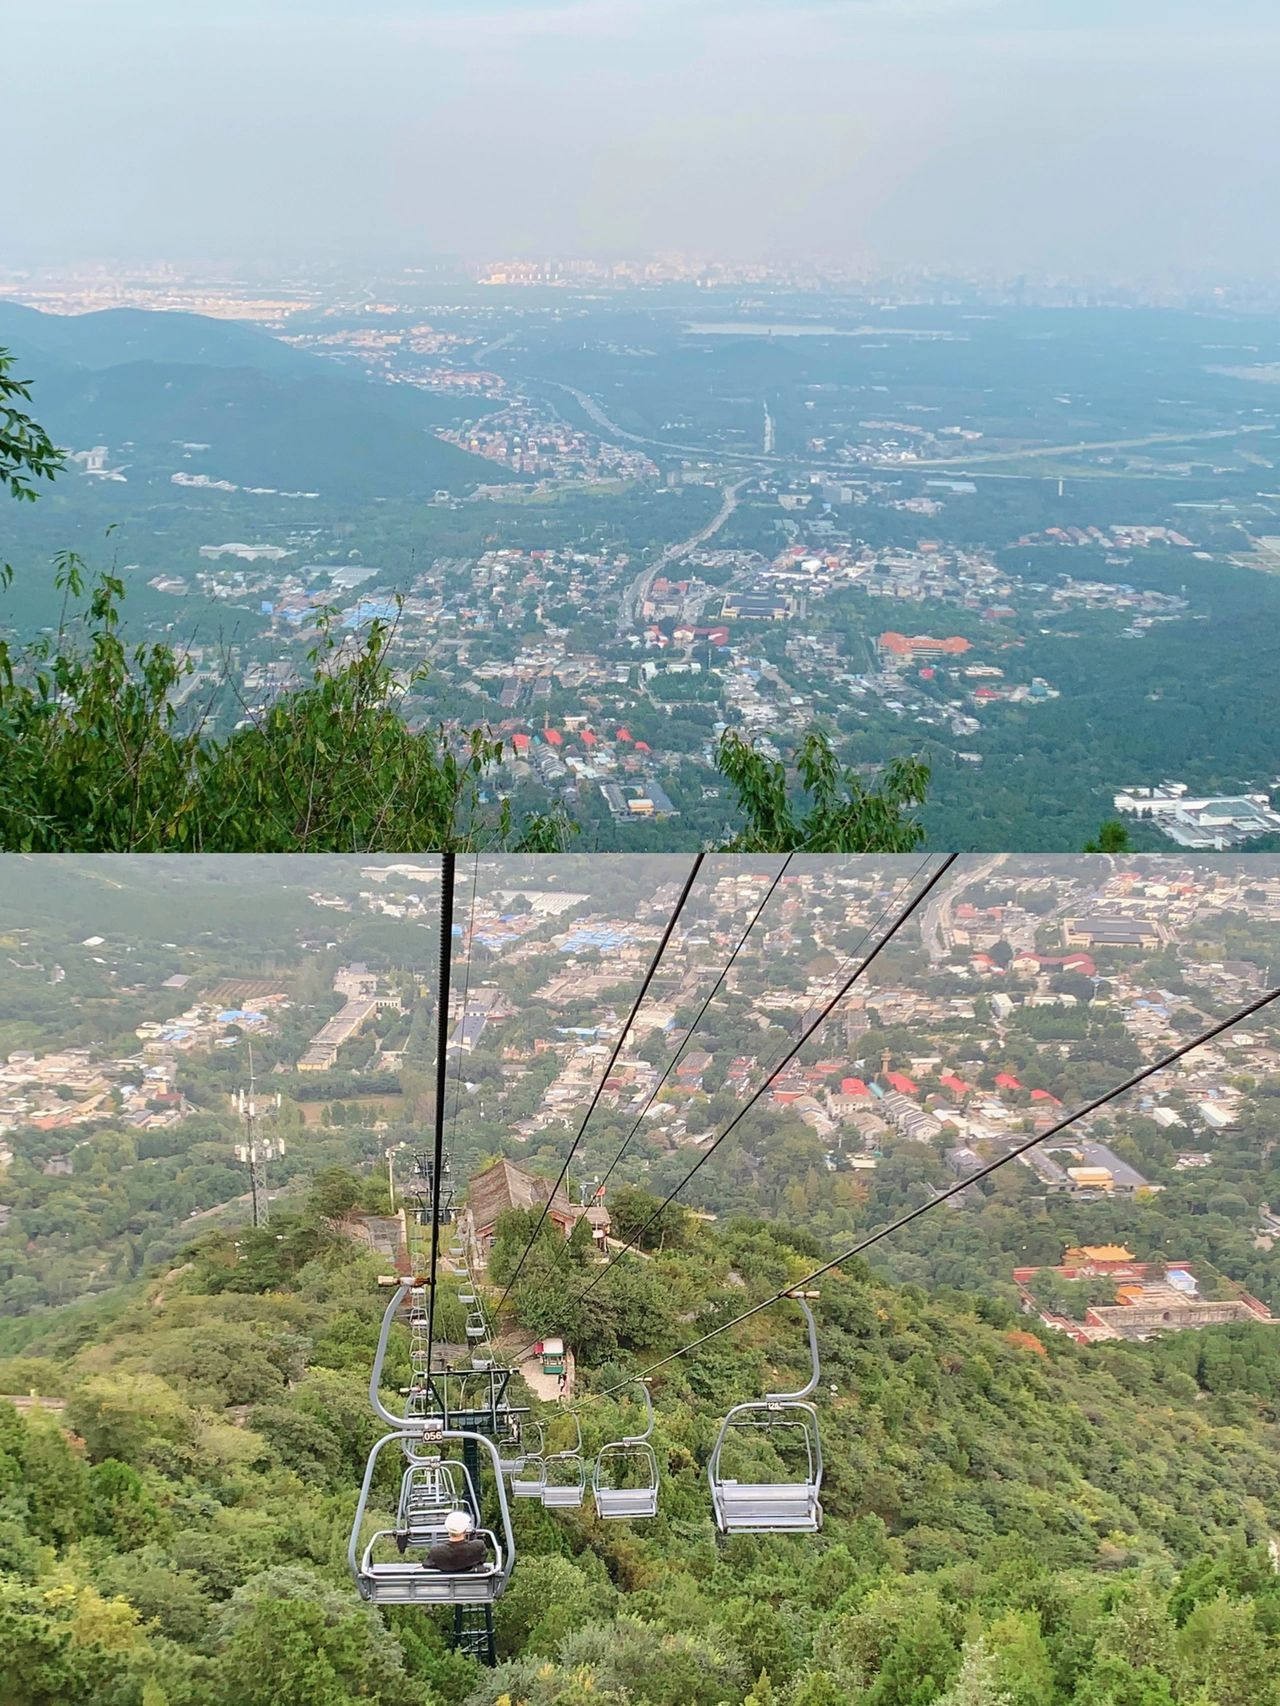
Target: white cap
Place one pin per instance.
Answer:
(457, 1522)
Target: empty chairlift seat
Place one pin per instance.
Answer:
(528, 1469)
(624, 1481)
(511, 1455)
(772, 1502)
(565, 1474)
(388, 1573)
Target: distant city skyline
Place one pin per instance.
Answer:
(1108, 138)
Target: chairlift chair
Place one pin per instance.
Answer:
(529, 1472)
(510, 1456)
(403, 1579)
(565, 1474)
(633, 1456)
(777, 1506)
(429, 1491)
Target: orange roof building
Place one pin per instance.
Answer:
(922, 645)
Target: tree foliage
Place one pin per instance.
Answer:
(835, 812)
(1003, 1527)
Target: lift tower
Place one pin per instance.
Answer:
(256, 1150)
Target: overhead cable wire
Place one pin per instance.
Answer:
(805, 1034)
(675, 1059)
(792, 1052)
(688, 1037)
(846, 959)
(442, 1081)
(1021, 1149)
(617, 1050)
(698, 1017)
(466, 996)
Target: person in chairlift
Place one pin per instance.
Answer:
(458, 1552)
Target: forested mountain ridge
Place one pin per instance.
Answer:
(1009, 1519)
(186, 395)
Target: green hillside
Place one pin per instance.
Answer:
(1009, 1522)
(115, 336)
(149, 386)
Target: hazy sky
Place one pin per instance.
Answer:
(1113, 136)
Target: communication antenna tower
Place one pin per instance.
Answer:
(256, 1150)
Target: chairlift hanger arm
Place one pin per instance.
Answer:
(811, 1385)
(642, 1438)
(574, 1450)
(384, 1337)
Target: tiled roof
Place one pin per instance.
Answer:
(504, 1186)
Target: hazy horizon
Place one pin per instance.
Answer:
(1119, 137)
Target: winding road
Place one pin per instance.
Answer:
(638, 589)
(936, 918)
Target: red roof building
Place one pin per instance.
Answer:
(902, 1084)
(1006, 1081)
(520, 742)
(954, 1083)
(1044, 1096)
(853, 1087)
(553, 737)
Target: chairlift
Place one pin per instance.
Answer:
(510, 1454)
(773, 1506)
(418, 1408)
(403, 1579)
(629, 1459)
(565, 1474)
(477, 1326)
(429, 1491)
(529, 1472)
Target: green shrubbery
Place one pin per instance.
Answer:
(1008, 1519)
